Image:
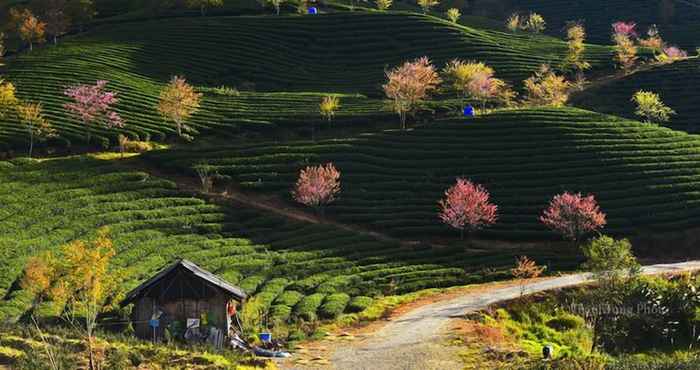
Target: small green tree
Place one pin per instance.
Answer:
(651, 108)
(453, 14)
(535, 23)
(614, 267)
(328, 106)
(384, 4)
(426, 5)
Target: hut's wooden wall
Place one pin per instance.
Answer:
(179, 310)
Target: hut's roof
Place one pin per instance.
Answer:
(188, 268)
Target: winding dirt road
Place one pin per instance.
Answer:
(416, 340)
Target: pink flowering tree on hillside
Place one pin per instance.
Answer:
(409, 84)
(317, 186)
(573, 216)
(628, 29)
(93, 105)
(466, 207)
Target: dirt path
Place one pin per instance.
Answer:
(271, 204)
(416, 339)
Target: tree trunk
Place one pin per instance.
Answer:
(89, 132)
(179, 129)
(55, 39)
(277, 9)
(31, 46)
(91, 364)
(201, 9)
(31, 142)
(402, 116)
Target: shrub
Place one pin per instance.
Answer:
(289, 298)
(359, 303)
(307, 307)
(565, 322)
(334, 305)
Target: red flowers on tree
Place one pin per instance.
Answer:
(93, 105)
(573, 216)
(466, 207)
(317, 186)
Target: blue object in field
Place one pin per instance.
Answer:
(154, 323)
(469, 111)
(265, 337)
(313, 10)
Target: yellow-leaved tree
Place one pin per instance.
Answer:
(8, 100)
(79, 282)
(31, 116)
(178, 102)
(547, 88)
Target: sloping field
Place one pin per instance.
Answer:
(676, 19)
(289, 61)
(645, 177)
(295, 267)
(676, 83)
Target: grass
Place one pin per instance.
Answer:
(23, 348)
(294, 270)
(392, 180)
(674, 82)
(281, 65)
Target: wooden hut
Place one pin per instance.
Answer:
(186, 300)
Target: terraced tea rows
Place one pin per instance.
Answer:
(282, 58)
(645, 177)
(674, 82)
(298, 269)
(677, 19)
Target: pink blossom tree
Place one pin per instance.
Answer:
(573, 216)
(628, 29)
(674, 53)
(317, 186)
(410, 83)
(91, 104)
(484, 87)
(466, 206)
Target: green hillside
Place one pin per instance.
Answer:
(284, 64)
(294, 266)
(646, 178)
(676, 19)
(674, 82)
